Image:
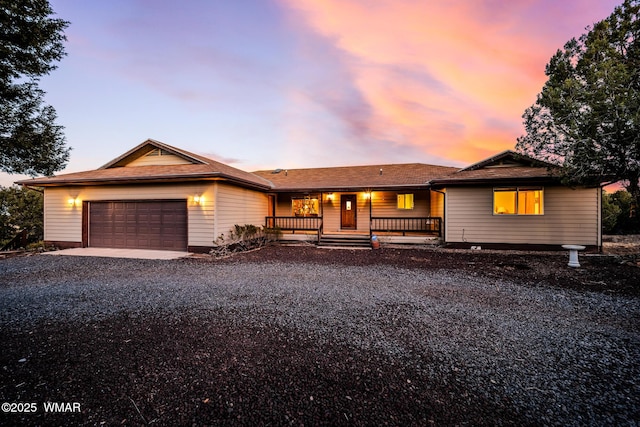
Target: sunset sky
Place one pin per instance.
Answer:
(262, 84)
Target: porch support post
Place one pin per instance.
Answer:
(370, 212)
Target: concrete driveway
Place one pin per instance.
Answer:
(120, 253)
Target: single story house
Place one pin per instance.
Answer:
(156, 196)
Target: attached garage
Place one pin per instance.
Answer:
(158, 224)
(154, 196)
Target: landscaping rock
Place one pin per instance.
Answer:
(306, 336)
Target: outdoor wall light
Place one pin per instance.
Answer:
(73, 201)
(198, 200)
(330, 196)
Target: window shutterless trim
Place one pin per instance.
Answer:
(404, 201)
(517, 191)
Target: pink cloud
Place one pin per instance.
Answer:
(440, 75)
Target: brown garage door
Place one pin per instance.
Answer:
(138, 224)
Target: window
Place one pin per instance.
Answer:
(405, 201)
(505, 201)
(518, 201)
(307, 206)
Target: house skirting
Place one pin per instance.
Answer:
(384, 239)
(298, 237)
(409, 240)
(199, 249)
(515, 246)
(63, 245)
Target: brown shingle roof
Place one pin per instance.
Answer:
(355, 177)
(113, 172)
(506, 166)
(498, 173)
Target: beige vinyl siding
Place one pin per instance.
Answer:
(63, 222)
(238, 206)
(570, 217)
(283, 205)
(166, 159)
(330, 209)
(331, 213)
(385, 204)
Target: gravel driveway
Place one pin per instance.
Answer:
(257, 343)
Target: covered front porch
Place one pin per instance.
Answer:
(401, 216)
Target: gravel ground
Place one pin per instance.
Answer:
(304, 336)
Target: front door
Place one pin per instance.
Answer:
(348, 211)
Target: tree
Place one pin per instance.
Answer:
(587, 117)
(30, 42)
(617, 213)
(20, 209)
(610, 213)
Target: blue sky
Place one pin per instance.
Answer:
(304, 83)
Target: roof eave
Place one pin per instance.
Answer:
(327, 189)
(145, 180)
(439, 183)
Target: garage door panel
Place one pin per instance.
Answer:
(138, 225)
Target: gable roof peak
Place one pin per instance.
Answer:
(148, 146)
(508, 158)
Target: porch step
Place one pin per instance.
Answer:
(345, 240)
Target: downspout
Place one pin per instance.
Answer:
(215, 213)
(444, 214)
(600, 219)
(321, 226)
